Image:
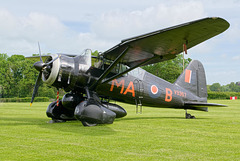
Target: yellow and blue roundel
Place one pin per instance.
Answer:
(154, 91)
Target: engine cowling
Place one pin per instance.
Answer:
(50, 73)
(66, 70)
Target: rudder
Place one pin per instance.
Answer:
(193, 79)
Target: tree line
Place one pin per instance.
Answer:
(18, 76)
(232, 87)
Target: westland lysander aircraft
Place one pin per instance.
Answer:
(115, 75)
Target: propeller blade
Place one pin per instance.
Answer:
(37, 84)
(40, 52)
(46, 64)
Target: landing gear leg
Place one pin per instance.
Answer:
(189, 116)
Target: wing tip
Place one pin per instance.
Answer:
(223, 21)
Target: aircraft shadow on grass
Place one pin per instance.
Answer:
(72, 127)
(154, 118)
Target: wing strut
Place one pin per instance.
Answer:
(109, 69)
(126, 71)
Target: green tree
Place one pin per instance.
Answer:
(29, 76)
(18, 78)
(232, 87)
(168, 70)
(215, 87)
(4, 75)
(95, 53)
(16, 64)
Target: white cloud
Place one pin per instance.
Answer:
(232, 35)
(222, 77)
(20, 34)
(8, 23)
(120, 25)
(236, 58)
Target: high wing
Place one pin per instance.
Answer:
(160, 45)
(165, 44)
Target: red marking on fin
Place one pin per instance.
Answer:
(188, 75)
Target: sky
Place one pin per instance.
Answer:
(70, 26)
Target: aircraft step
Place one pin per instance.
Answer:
(140, 111)
(138, 104)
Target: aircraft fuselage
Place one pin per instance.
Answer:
(148, 88)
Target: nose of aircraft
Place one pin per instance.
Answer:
(38, 65)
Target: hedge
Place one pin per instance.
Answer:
(223, 95)
(211, 95)
(26, 99)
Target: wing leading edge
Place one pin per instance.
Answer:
(166, 43)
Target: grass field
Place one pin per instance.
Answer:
(157, 134)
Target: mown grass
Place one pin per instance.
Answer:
(157, 134)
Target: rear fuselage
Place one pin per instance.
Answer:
(148, 88)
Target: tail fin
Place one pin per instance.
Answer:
(193, 79)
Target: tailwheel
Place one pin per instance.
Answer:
(85, 123)
(189, 116)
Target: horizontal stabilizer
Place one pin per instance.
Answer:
(201, 106)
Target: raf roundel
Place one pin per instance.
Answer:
(154, 89)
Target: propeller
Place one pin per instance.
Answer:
(37, 84)
(41, 66)
(39, 49)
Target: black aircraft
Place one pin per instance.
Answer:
(115, 75)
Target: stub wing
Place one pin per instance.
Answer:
(166, 43)
(44, 57)
(201, 106)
